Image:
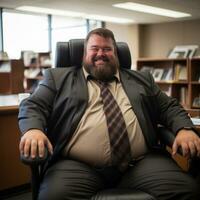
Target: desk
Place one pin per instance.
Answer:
(12, 172)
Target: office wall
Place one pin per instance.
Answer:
(156, 40)
(129, 34)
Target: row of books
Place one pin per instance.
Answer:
(176, 73)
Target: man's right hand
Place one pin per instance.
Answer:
(33, 143)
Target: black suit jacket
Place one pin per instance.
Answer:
(58, 104)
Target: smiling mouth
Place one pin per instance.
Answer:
(100, 62)
(101, 58)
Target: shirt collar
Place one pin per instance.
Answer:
(89, 77)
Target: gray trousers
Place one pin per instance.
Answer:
(156, 174)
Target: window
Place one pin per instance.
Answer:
(26, 31)
(23, 31)
(66, 28)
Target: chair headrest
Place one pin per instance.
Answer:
(71, 54)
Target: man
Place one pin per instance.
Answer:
(70, 113)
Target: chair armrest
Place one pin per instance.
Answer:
(167, 138)
(34, 161)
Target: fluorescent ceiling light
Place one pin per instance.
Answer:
(74, 14)
(50, 11)
(110, 19)
(152, 10)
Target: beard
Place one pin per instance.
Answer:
(103, 72)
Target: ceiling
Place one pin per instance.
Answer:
(104, 7)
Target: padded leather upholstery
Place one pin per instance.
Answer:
(71, 54)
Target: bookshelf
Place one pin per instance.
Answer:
(179, 78)
(195, 83)
(11, 76)
(35, 64)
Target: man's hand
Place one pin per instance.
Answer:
(33, 143)
(189, 143)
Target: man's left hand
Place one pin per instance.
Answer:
(188, 141)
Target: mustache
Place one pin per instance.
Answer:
(104, 58)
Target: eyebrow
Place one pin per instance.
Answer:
(100, 47)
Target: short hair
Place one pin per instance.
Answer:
(103, 32)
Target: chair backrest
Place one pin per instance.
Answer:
(71, 54)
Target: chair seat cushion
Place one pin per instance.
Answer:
(122, 194)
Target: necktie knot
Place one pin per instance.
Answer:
(103, 84)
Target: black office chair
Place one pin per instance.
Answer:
(71, 54)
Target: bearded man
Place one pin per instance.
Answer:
(93, 147)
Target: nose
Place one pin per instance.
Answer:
(100, 52)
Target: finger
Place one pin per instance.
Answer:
(192, 149)
(197, 144)
(27, 147)
(185, 149)
(174, 147)
(21, 146)
(41, 148)
(33, 148)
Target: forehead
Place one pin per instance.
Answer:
(96, 40)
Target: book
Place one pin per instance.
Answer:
(169, 75)
(165, 74)
(157, 74)
(180, 72)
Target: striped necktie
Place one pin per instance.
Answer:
(119, 141)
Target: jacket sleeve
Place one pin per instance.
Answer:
(35, 110)
(170, 112)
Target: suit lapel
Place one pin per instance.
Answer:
(81, 87)
(81, 95)
(133, 91)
